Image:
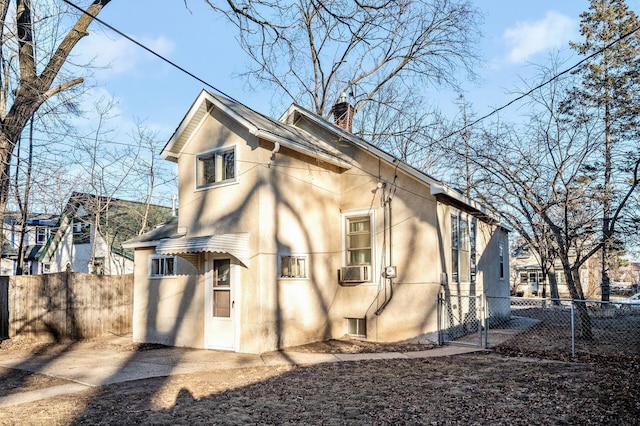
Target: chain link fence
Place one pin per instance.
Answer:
(562, 328)
(548, 328)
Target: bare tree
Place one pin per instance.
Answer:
(30, 72)
(148, 176)
(404, 129)
(312, 51)
(534, 176)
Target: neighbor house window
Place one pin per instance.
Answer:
(472, 256)
(46, 268)
(357, 327)
(358, 238)
(41, 235)
(215, 167)
(162, 266)
(81, 234)
(98, 265)
(293, 266)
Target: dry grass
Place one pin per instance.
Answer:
(483, 388)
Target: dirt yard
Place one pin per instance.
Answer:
(482, 388)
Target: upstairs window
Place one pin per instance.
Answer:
(162, 266)
(41, 235)
(81, 234)
(215, 167)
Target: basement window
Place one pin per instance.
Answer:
(357, 327)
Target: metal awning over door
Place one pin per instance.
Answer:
(237, 245)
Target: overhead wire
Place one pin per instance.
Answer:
(462, 129)
(544, 83)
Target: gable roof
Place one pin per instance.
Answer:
(257, 124)
(121, 221)
(438, 188)
(285, 132)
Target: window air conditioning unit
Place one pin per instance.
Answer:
(354, 274)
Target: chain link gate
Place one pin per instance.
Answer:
(460, 319)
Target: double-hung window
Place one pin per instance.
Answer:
(215, 167)
(358, 240)
(162, 266)
(463, 258)
(41, 235)
(501, 259)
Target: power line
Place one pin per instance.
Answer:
(462, 129)
(541, 85)
(153, 52)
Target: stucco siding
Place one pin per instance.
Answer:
(293, 204)
(167, 310)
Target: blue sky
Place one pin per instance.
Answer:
(517, 34)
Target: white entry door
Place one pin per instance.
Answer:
(219, 327)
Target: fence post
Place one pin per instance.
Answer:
(485, 321)
(4, 307)
(439, 319)
(573, 329)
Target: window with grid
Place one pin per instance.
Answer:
(358, 240)
(215, 167)
(501, 256)
(455, 237)
(293, 266)
(462, 249)
(41, 235)
(81, 234)
(162, 266)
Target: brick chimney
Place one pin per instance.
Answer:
(343, 113)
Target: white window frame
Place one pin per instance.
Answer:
(217, 155)
(293, 256)
(162, 266)
(502, 271)
(360, 324)
(457, 219)
(41, 234)
(345, 249)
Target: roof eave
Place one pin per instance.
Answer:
(438, 188)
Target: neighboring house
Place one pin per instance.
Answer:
(90, 233)
(295, 231)
(38, 228)
(528, 280)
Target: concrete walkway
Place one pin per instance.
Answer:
(86, 368)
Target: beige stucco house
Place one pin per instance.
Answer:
(294, 230)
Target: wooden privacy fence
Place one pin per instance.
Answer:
(66, 305)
